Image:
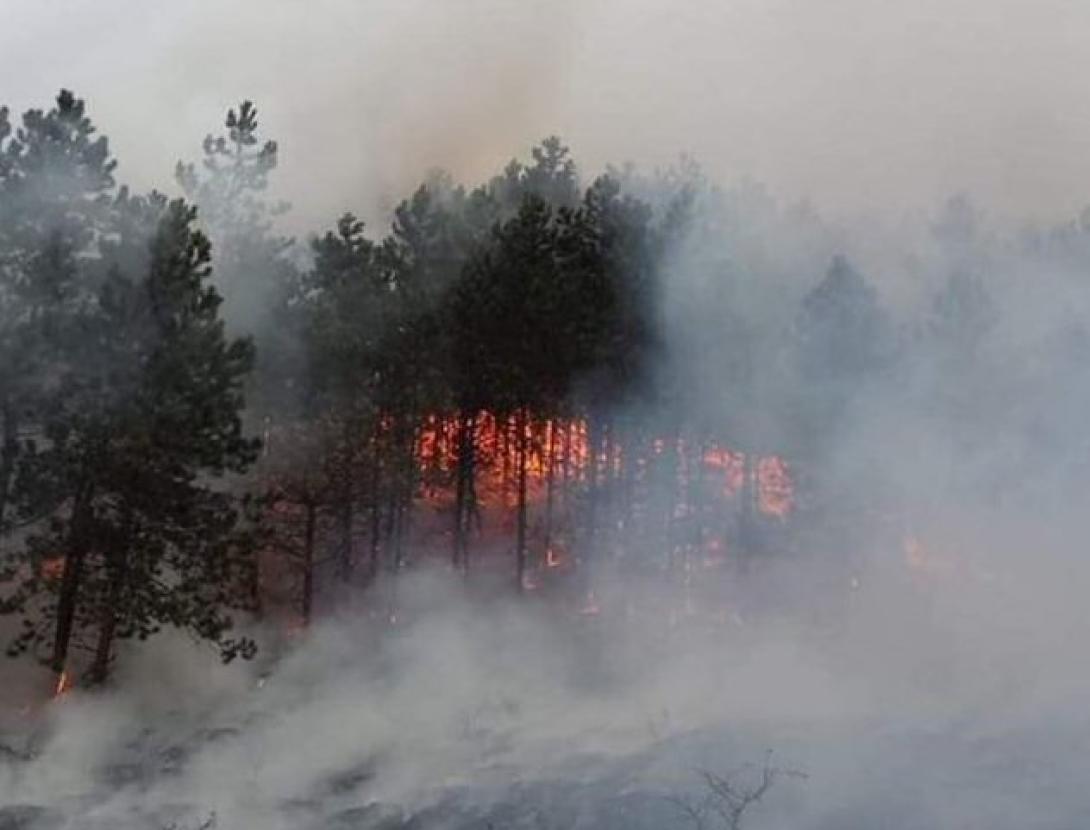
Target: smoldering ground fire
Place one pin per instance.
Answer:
(556, 495)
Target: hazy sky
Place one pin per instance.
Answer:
(852, 103)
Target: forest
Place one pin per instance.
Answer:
(544, 415)
(509, 510)
(205, 421)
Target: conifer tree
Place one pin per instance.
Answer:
(56, 176)
(136, 440)
(254, 266)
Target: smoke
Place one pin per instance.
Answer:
(854, 105)
(917, 708)
(915, 656)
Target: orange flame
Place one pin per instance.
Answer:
(775, 489)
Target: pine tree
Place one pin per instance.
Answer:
(607, 249)
(136, 442)
(338, 311)
(842, 344)
(509, 314)
(255, 269)
(55, 181)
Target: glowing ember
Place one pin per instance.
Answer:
(776, 493)
(732, 465)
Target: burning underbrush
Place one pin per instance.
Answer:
(560, 501)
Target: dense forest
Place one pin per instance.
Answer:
(566, 383)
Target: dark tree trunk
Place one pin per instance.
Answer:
(116, 565)
(349, 439)
(594, 438)
(257, 604)
(347, 548)
(462, 507)
(522, 447)
(9, 452)
(550, 463)
(569, 439)
(308, 562)
(405, 501)
(402, 492)
(76, 550)
(474, 504)
(100, 669)
(502, 445)
(376, 507)
(459, 497)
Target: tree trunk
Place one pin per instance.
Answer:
(550, 463)
(346, 514)
(347, 552)
(459, 496)
(403, 493)
(9, 452)
(502, 443)
(473, 505)
(100, 669)
(594, 436)
(256, 600)
(376, 508)
(520, 538)
(308, 562)
(116, 565)
(462, 508)
(76, 550)
(405, 502)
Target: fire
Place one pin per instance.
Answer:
(605, 485)
(62, 684)
(561, 448)
(776, 495)
(731, 465)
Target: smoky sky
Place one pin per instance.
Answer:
(854, 104)
(914, 699)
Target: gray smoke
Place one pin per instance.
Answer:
(856, 105)
(916, 656)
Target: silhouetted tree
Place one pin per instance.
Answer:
(55, 183)
(132, 442)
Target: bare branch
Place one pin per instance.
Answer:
(729, 796)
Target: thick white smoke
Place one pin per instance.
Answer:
(919, 661)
